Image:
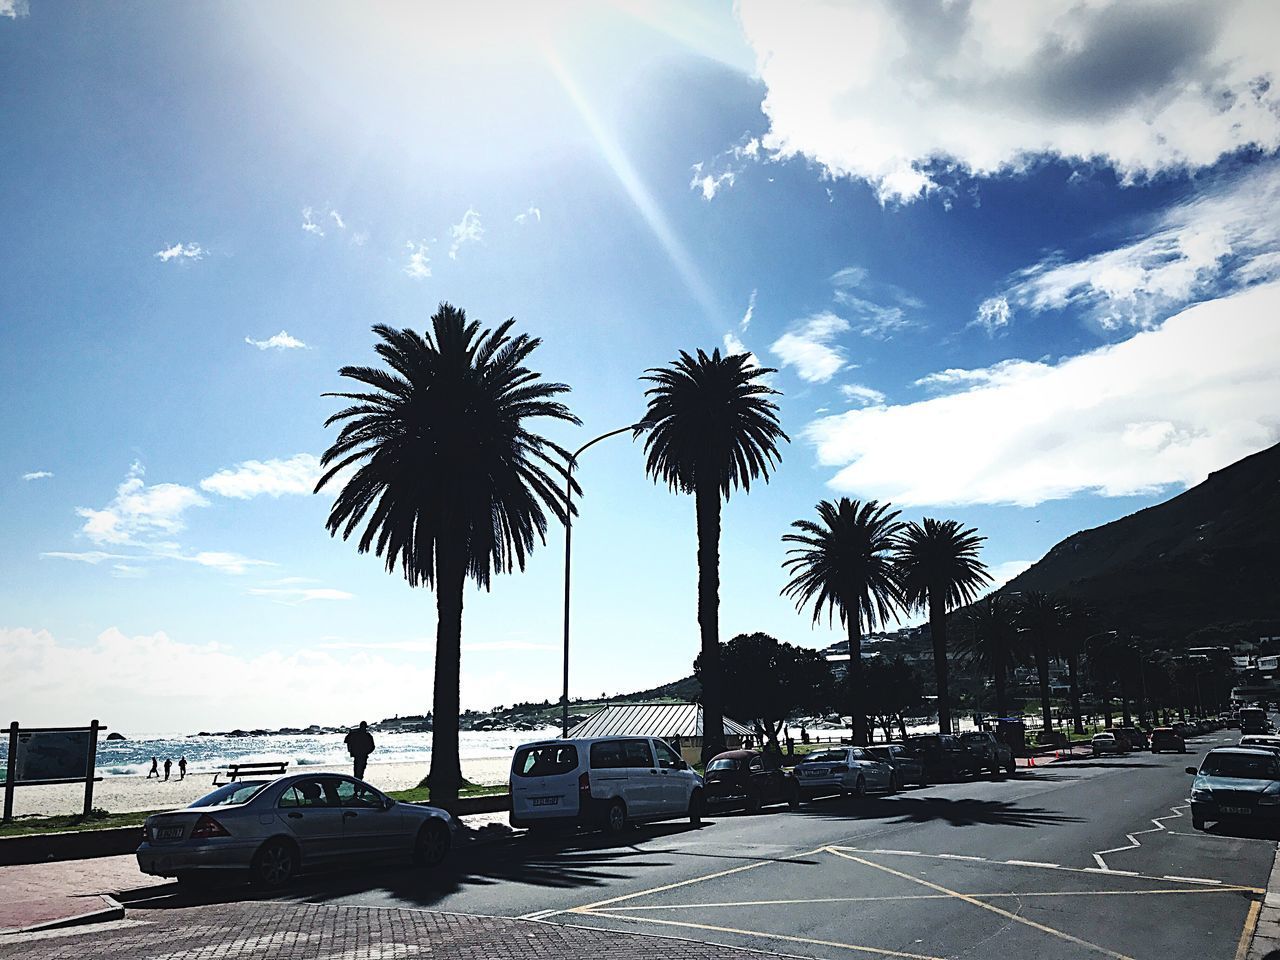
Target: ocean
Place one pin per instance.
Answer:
(132, 757)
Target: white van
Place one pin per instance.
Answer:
(602, 781)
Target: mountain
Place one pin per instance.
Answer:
(1207, 560)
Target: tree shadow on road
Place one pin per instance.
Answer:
(962, 812)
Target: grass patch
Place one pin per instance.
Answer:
(422, 794)
(97, 820)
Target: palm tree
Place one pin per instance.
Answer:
(1078, 622)
(714, 430)
(991, 642)
(449, 482)
(1042, 616)
(939, 569)
(845, 564)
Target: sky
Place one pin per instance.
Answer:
(1014, 264)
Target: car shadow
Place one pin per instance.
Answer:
(1075, 764)
(565, 861)
(1247, 831)
(960, 812)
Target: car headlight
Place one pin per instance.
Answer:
(1201, 794)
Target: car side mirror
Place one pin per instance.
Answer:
(683, 765)
(1191, 770)
(387, 803)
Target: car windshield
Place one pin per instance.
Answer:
(724, 763)
(826, 756)
(1104, 736)
(231, 794)
(546, 760)
(972, 735)
(1240, 766)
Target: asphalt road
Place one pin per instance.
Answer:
(1084, 858)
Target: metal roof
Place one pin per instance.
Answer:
(652, 720)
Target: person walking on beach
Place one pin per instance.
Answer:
(168, 765)
(360, 745)
(155, 769)
(182, 768)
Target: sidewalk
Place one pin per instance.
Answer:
(308, 931)
(1265, 943)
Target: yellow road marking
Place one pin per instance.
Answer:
(1246, 935)
(685, 883)
(1092, 871)
(770, 936)
(1062, 935)
(930, 896)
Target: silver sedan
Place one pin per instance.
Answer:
(844, 770)
(272, 829)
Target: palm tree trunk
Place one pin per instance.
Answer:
(1000, 673)
(902, 726)
(707, 506)
(857, 717)
(1042, 668)
(1073, 671)
(445, 777)
(938, 633)
(1124, 700)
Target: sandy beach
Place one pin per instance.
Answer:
(125, 794)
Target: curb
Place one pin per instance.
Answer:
(1262, 930)
(69, 845)
(107, 909)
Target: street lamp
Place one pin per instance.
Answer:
(636, 429)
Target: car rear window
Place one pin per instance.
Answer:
(724, 763)
(231, 794)
(1241, 766)
(825, 756)
(611, 754)
(547, 760)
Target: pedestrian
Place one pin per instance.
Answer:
(360, 745)
(168, 765)
(182, 768)
(155, 769)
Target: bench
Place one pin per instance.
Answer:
(234, 771)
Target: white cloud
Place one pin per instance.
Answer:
(876, 309)
(292, 596)
(309, 224)
(1163, 408)
(467, 230)
(722, 172)
(139, 513)
(126, 571)
(228, 562)
(904, 95)
(37, 475)
(336, 217)
(533, 213)
(181, 252)
(14, 9)
(807, 347)
(94, 557)
(751, 312)
(1223, 238)
(419, 265)
(280, 341)
(857, 393)
(252, 478)
(710, 185)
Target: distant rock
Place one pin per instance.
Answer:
(113, 735)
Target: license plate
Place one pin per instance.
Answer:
(1236, 811)
(546, 801)
(168, 833)
(815, 773)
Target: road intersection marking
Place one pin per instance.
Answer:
(1134, 842)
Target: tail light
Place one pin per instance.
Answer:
(207, 827)
(584, 786)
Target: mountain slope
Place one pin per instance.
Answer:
(1206, 558)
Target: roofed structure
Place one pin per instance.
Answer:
(678, 723)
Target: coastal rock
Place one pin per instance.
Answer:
(113, 735)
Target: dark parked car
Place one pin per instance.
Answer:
(1137, 739)
(988, 752)
(748, 780)
(943, 755)
(1236, 783)
(1167, 738)
(908, 766)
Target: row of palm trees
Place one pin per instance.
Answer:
(445, 479)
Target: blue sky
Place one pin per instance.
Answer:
(1015, 265)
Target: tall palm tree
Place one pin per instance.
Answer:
(1078, 622)
(714, 430)
(991, 643)
(845, 564)
(939, 569)
(1042, 617)
(449, 480)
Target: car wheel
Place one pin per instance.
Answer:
(1197, 823)
(860, 788)
(754, 803)
(274, 864)
(431, 845)
(696, 807)
(793, 798)
(615, 818)
(1011, 767)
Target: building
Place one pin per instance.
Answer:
(679, 724)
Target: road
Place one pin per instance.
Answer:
(1084, 858)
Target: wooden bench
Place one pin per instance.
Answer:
(235, 771)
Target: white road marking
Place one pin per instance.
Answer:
(1121, 873)
(1032, 863)
(960, 856)
(1191, 879)
(1134, 842)
(539, 915)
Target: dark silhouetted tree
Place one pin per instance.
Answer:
(714, 430)
(938, 570)
(989, 640)
(440, 467)
(1041, 617)
(892, 689)
(843, 566)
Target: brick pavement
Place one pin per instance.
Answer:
(308, 931)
